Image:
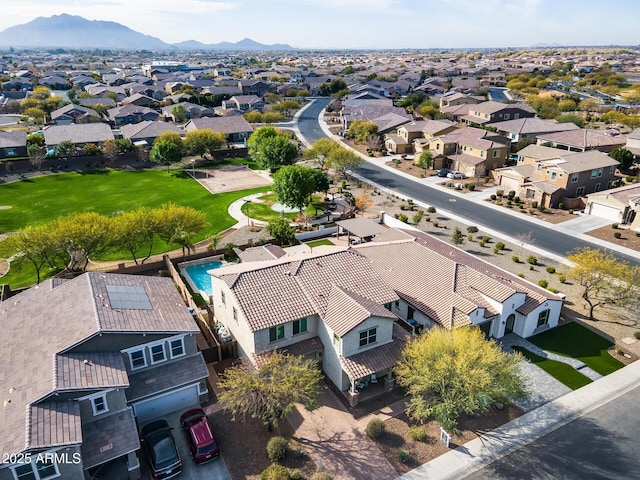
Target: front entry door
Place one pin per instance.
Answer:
(509, 326)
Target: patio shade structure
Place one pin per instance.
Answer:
(363, 228)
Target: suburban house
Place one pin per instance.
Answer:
(253, 87)
(111, 353)
(244, 103)
(420, 131)
(451, 99)
(235, 128)
(191, 110)
(145, 133)
(633, 143)
(492, 112)
(583, 140)
(530, 128)
(13, 144)
(74, 114)
(473, 151)
(619, 205)
(346, 306)
(131, 113)
(78, 133)
(139, 99)
(551, 176)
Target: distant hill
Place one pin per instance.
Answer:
(72, 31)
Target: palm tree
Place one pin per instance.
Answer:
(214, 240)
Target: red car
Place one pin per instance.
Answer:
(202, 443)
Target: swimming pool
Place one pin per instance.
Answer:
(199, 276)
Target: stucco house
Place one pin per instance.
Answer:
(131, 113)
(145, 133)
(85, 362)
(492, 112)
(583, 140)
(13, 144)
(236, 129)
(618, 205)
(78, 133)
(531, 128)
(345, 306)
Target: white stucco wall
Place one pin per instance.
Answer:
(530, 323)
(351, 341)
(330, 361)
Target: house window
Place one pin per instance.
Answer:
(157, 353)
(574, 178)
(597, 189)
(223, 298)
(336, 338)
(396, 304)
(37, 470)
(516, 115)
(530, 193)
(276, 333)
(137, 359)
(553, 175)
(10, 152)
(506, 116)
(235, 314)
(496, 153)
(609, 184)
(176, 347)
(611, 170)
(579, 191)
(539, 167)
(520, 159)
(482, 152)
(543, 318)
(300, 326)
(599, 172)
(99, 404)
(367, 337)
(594, 173)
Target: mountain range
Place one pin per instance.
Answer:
(72, 31)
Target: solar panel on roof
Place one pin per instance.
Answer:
(128, 297)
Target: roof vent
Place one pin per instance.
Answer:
(7, 402)
(12, 389)
(86, 361)
(287, 272)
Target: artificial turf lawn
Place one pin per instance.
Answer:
(263, 211)
(318, 243)
(561, 371)
(574, 340)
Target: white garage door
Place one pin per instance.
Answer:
(166, 403)
(604, 211)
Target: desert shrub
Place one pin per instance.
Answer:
(482, 243)
(543, 283)
(493, 196)
(531, 267)
(431, 209)
(617, 234)
(552, 290)
(417, 433)
(275, 472)
(498, 202)
(472, 229)
(471, 186)
(614, 225)
(277, 448)
(636, 334)
(298, 453)
(516, 199)
(375, 428)
(295, 475)
(541, 208)
(531, 260)
(551, 270)
(403, 455)
(571, 211)
(417, 217)
(500, 193)
(486, 239)
(562, 279)
(534, 204)
(521, 275)
(496, 250)
(320, 476)
(458, 187)
(561, 206)
(500, 246)
(516, 259)
(403, 218)
(470, 237)
(511, 195)
(435, 224)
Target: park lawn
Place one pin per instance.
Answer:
(560, 371)
(262, 210)
(574, 340)
(319, 243)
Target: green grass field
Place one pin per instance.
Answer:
(561, 371)
(318, 243)
(574, 340)
(262, 210)
(36, 201)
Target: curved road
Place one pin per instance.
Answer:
(544, 237)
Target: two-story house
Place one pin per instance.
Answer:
(582, 140)
(341, 305)
(85, 362)
(633, 143)
(492, 112)
(551, 176)
(131, 113)
(74, 114)
(531, 128)
(244, 103)
(253, 87)
(416, 133)
(236, 129)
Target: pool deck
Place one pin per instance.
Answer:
(182, 267)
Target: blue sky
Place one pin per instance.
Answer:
(359, 23)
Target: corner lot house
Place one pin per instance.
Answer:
(345, 306)
(618, 205)
(86, 359)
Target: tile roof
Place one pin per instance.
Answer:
(74, 371)
(78, 133)
(305, 347)
(583, 138)
(148, 129)
(263, 252)
(108, 438)
(232, 124)
(54, 424)
(582, 161)
(533, 125)
(13, 139)
(626, 195)
(540, 152)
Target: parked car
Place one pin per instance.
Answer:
(202, 443)
(443, 172)
(161, 450)
(455, 175)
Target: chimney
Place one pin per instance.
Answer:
(381, 222)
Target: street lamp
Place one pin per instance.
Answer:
(247, 203)
(193, 168)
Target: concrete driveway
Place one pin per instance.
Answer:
(190, 471)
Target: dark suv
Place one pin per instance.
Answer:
(202, 443)
(161, 449)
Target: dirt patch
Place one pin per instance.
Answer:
(5, 207)
(549, 215)
(406, 454)
(244, 447)
(628, 238)
(229, 178)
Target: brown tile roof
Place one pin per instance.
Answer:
(583, 138)
(540, 152)
(376, 359)
(78, 133)
(54, 424)
(166, 376)
(346, 310)
(582, 161)
(75, 371)
(108, 438)
(232, 124)
(263, 252)
(305, 347)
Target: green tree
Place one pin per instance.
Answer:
(425, 160)
(37, 114)
(360, 130)
(448, 373)
(203, 142)
(271, 148)
(293, 185)
(173, 137)
(320, 180)
(604, 279)
(179, 113)
(571, 118)
(624, 156)
(270, 391)
(34, 244)
(457, 237)
(41, 92)
(286, 106)
(319, 152)
(281, 230)
(165, 152)
(178, 225)
(344, 161)
(35, 139)
(135, 229)
(64, 149)
(36, 155)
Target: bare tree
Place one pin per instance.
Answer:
(524, 239)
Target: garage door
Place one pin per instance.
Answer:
(166, 403)
(604, 211)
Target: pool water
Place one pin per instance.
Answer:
(200, 277)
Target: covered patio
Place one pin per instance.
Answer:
(364, 229)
